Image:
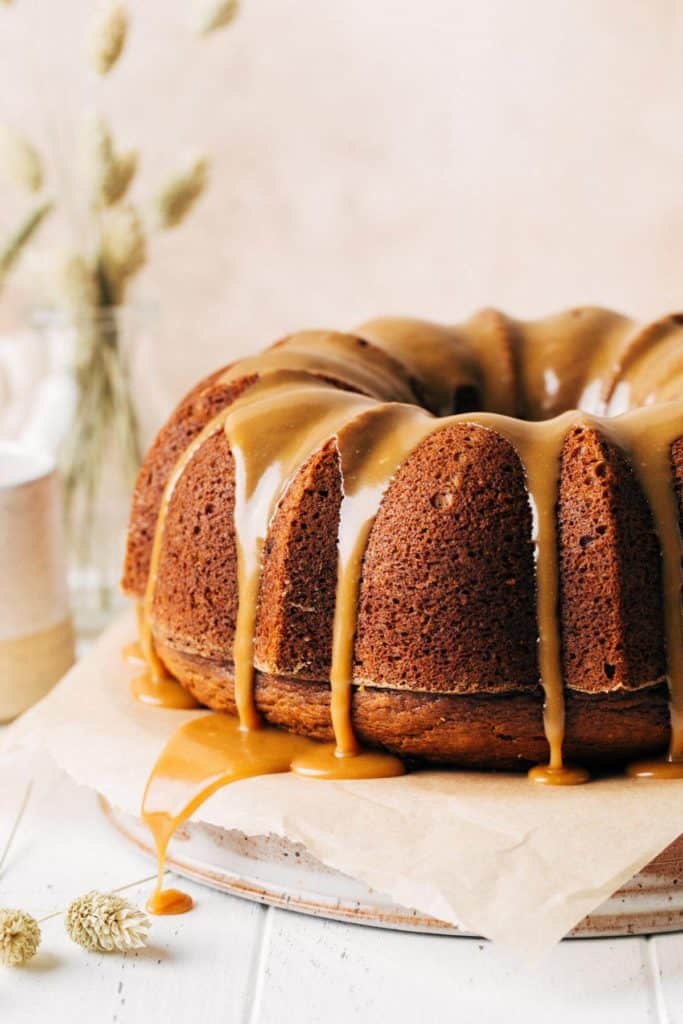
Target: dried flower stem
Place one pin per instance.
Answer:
(13, 247)
(17, 823)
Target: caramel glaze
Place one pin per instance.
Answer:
(295, 406)
(164, 902)
(154, 685)
(346, 358)
(132, 653)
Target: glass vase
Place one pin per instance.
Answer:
(84, 411)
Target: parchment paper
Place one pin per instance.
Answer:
(518, 863)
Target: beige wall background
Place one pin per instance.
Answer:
(373, 156)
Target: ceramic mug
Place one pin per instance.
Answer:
(36, 634)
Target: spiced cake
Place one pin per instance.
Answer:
(458, 543)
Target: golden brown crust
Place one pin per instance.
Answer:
(610, 575)
(299, 574)
(190, 417)
(447, 590)
(677, 467)
(195, 599)
(502, 732)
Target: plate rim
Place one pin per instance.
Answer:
(604, 922)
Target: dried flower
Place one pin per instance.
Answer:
(215, 14)
(127, 165)
(123, 250)
(13, 247)
(108, 37)
(111, 173)
(181, 192)
(20, 159)
(105, 922)
(76, 284)
(19, 937)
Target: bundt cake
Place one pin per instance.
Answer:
(459, 544)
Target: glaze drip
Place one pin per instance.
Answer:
(371, 449)
(282, 422)
(210, 752)
(538, 446)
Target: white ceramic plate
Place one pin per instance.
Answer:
(273, 870)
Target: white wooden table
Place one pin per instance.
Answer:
(231, 960)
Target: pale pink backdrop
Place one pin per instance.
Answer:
(427, 156)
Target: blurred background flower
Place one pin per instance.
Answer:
(364, 158)
(81, 406)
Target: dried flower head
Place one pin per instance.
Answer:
(127, 166)
(123, 250)
(105, 922)
(15, 244)
(111, 173)
(108, 37)
(20, 160)
(19, 937)
(181, 192)
(214, 14)
(76, 284)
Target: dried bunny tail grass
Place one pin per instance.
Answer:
(76, 284)
(181, 192)
(111, 173)
(106, 923)
(123, 250)
(15, 244)
(108, 37)
(20, 160)
(19, 937)
(215, 14)
(127, 166)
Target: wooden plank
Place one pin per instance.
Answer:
(666, 965)
(336, 973)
